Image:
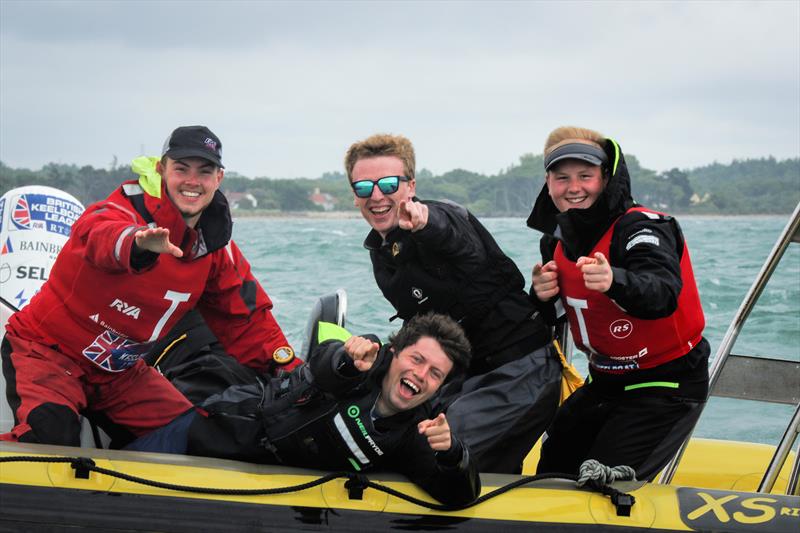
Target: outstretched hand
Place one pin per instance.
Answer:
(438, 433)
(156, 240)
(597, 274)
(362, 351)
(413, 216)
(545, 280)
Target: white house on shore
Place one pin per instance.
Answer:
(322, 199)
(241, 200)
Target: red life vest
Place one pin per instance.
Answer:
(615, 341)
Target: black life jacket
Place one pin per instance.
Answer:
(421, 280)
(237, 418)
(335, 435)
(292, 420)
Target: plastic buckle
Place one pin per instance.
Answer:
(82, 466)
(623, 502)
(355, 486)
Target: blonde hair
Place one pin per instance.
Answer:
(567, 134)
(378, 145)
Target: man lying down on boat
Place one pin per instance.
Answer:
(353, 406)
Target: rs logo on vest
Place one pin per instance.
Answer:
(125, 309)
(621, 328)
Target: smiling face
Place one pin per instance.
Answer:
(575, 184)
(380, 210)
(190, 184)
(414, 375)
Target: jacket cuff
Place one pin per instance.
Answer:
(333, 369)
(618, 286)
(142, 259)
(547, 310)
(133, 257)
(435, 225)
(457, 457)
(344, 366)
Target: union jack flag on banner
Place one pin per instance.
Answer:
(21, 215)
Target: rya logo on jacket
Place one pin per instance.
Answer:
(125, 309)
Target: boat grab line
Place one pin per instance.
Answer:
(356, 484)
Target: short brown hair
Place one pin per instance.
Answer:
(563, 134)
(378, 145)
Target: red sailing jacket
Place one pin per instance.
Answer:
(96, 307)
(616, 341)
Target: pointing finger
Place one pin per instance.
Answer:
(551, 266)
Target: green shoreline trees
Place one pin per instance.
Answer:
(750, 186)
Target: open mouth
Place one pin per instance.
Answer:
(380, 210)
(190, 194)
(409, 386)
(575, 200)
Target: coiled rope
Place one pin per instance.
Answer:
(596, 475)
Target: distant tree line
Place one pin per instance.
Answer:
(748, 186)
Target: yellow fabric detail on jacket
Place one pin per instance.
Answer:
(149, 178)
(327, 331)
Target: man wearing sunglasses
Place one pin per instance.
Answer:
(436, 256)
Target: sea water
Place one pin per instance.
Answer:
(298, 260)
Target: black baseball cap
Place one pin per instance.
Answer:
(193, 141)
(576, 150)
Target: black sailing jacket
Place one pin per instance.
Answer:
(320, 417)
(454, 266)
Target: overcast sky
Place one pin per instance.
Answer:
(288, 86)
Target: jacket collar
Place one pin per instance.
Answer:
(375, 241)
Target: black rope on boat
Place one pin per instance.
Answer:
(488, 496)
(84, 465)
(356, 483)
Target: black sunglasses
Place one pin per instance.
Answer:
(386, 184)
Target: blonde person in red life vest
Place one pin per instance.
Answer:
(622, 275)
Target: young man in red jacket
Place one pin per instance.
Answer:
(134, 264)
